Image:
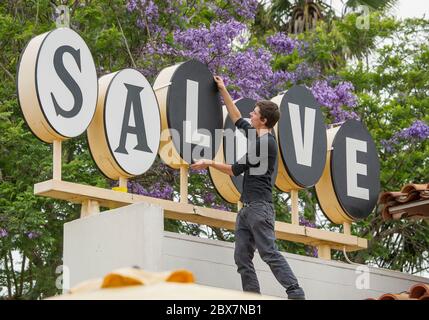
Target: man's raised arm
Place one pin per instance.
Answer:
(233, 111)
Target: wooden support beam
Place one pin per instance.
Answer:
(56, 163)
(89, 207)
(184, 183)
(78, 193)
(123, 183)
(324, 251)
(294, 200)
(347, 228)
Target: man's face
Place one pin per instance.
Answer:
(255, 119)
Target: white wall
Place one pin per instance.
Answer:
(134, 235)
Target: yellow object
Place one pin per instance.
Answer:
(120, 189)
(133, 277)
(137, 284)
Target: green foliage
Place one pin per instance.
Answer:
(387, 64)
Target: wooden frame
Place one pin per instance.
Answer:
(99, 197)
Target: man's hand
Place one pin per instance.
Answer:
(201, 164)
(233, 111)
(219, 83)
(204, 163)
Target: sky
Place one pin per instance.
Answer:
(403, 8)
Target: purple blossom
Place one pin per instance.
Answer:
(209, 46)
(253, 75)
(418, 131)
(280, 43)
(209, 198)
(245, 8)
(194, 171)
(156, 191)
(222, 207)
(305, 71)
(335, 98)
(312, 251)
(3, 233)
(148, 15)
(32, 234)
(304, 222)
(222, 14)
(131, 5)
(309, 250)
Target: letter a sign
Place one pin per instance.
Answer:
(124, 136)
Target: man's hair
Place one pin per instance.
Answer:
(270, 111)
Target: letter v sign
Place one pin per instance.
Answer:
(303, 145)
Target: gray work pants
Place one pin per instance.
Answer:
(254, 229)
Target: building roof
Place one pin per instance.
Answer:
(411, 202)
(138, 284)
(419, 291)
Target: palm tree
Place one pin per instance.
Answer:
(302, 15)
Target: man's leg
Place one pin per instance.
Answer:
(262, 223)
(244, 252)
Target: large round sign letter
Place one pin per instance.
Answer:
(57, 85)
(191, 113)
(348, 189)
(124, 136)
(302, 139)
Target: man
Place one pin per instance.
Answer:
(254, 228)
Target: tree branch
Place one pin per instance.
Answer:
(8, 280)
(12, 271)
(123, 35)
(21, 284)
(10, 75)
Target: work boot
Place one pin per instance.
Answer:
(295, 292)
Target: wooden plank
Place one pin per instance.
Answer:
(123, 183)
(347, 228)
(324, 252)
(294, 205)
(56, 160)
(89, 207)
(333, 237)
(78, 193)
(184, 184)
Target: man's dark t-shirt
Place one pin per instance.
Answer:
(257, 164)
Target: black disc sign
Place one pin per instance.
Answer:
(194, 111)
(355, 169)
(302, 136)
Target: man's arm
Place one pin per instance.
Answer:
(204, 163)
(233, 111)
